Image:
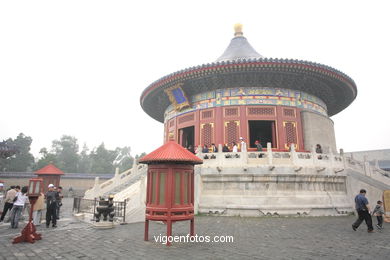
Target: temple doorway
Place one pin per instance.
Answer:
(262, 130)
(187, 136)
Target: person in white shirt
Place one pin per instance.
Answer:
(243, 144)
(21, 199)
(235, 148)
(1, 192)
(9, 201)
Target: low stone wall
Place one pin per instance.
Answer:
(78, 182)
(262, 183)
(256, 191)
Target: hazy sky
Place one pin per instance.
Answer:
(79, 67)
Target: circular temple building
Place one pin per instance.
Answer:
(286, 104)
(243, 94)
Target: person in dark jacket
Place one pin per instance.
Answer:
(259, 148)
(363, 210)
(225, 148)
(52, 198)
(59, 201)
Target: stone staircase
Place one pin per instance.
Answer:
(125, 184)
(369, 180)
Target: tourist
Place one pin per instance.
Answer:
(225, 148)
(258, 145)
(191, 149)
(9, 201)
(1, 192)
(363, 210)
(243, 145)
(59, 201)
(37, 209)
(205, 149)
(21, 199)
(379, 212)
(235, 148)
(319, 150)
(70, 192)
(214, 149)
(197, 149)
(51, 206)
(259, 148)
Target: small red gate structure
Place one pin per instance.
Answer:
(29, 233)
(170, 186)
(50, 175)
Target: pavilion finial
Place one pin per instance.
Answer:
(171, 136)
(238, 30)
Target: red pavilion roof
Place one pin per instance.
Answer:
(171, 152)
(49, 169)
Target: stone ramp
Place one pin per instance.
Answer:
(368, 180)
(124, 185)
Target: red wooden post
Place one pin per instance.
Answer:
(29, 233)
(146, 234)
(169, 231)
(170, 186)
(192, 227)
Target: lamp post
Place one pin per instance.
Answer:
(170, 187)
(29, 231)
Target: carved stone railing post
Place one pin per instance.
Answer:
(376, 164)
(331, 158)
(342, 154)
(96, 185)
(269, 153)
(293, 155)
(117, 178)
(244, 157)
(314, 154)
(134, 169)
(95, 189)
(366, 166)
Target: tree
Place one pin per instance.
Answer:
(23, 160)
(102, 160)
(85, 163)
(139, 156)
(66, 152)
(46, 158)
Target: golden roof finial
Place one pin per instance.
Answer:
(238, 29)
(171, 136)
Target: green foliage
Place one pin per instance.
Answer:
(102, 160)
(23, 160)
(139, 156)
(85, 163)
(46, 158)
(66, 150)
(64, 153)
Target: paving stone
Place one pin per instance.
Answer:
(254, 238)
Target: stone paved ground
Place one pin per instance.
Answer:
(254, 238)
